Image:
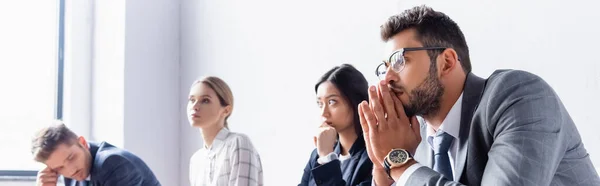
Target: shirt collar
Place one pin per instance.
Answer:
(451, 123)
(217, 142)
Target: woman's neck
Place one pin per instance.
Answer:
(347, 139)
(209, 134)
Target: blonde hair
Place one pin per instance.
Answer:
(221, 89)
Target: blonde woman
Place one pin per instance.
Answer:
(227, 158)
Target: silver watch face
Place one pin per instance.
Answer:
(398, 156)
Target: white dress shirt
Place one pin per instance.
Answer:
(450, 125)
(231, 160)
(331, 156)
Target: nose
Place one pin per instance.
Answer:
(325, 111)
(391, 76)
(196, 106)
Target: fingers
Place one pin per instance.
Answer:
(363, 124)
(388, 102)
(47, 174)
(377, 108)
(369, 126)
(48, 180)
(399, 107)
(370, 118)
(47, 170)
(321, 128)
(323, 125)
(49, 177)
(363, 121)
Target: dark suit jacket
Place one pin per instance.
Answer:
(514, 130)
(356, 171)
(113, 166)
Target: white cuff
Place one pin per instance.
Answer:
(326, 159)
(407, 173)
(375, 184)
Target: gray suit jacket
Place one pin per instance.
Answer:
(514, 131)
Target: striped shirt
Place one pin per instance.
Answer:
(230, 161)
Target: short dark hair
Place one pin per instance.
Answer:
(47, 139)
(352, 85)
(433, 28)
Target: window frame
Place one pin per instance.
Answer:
(27, 175)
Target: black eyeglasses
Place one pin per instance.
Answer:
(396, 60)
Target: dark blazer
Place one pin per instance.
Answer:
(514, 130)
(115, 166)
(356, 171)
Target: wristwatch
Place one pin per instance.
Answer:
(395, 158)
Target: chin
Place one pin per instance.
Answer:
(196, 124)
(339, 129)
(200, 125)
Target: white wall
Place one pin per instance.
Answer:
(135, 81)
(271, 57)
(108, 51)
(152, 85)
(272, 52)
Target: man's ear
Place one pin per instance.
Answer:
(449, 62)
(83, 142)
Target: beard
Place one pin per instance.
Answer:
(425, 99)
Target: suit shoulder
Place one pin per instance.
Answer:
(503, 84)
(110, 155)
(510, 76)
(513, 95)
(116, 155)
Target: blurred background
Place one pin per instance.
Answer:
(120, 71)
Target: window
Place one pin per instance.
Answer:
(31, 77)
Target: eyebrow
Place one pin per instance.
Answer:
(191, 96)
(329, 96)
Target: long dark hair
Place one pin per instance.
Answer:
(352, 85)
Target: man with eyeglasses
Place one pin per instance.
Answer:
(508, 129)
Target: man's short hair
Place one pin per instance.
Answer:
(433, 28)
(47, 139)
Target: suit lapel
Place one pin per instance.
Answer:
(355, 151)
(473, 89)
(93, 151)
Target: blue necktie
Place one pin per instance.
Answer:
(441, 144)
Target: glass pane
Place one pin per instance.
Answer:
(27, 77)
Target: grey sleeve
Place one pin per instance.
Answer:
(524, 116)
